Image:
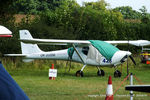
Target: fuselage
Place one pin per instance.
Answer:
(63, 55)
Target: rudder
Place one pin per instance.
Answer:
(27, 48)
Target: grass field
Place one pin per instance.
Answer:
(33, 79)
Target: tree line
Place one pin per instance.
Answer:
(66, 19)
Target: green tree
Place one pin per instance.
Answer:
(26, 6)
(128, 12)
(92, 21)
(6, 13)
(145, 16)
(35, 6)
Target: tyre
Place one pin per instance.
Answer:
(117, 73)
(100, 73)
(79, 73)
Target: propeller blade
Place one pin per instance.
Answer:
(132, 60)
(123, 59)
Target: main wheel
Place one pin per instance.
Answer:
(100, 73)
(117, 73)
(79, 73)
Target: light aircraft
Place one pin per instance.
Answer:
(90, 52)
(4, 32)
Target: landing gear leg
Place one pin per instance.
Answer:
(100, 72)
(117, 73)
(79, 73)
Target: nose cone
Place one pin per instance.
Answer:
(128, 53)
(120, 57)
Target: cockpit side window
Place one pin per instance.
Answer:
(85, 50)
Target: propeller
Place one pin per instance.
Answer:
(126, 57)
(132, 60)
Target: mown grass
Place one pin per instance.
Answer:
(33, 79)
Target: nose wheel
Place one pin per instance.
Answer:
(100, 72)
(117, 73)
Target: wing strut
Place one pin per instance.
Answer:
(78, 54)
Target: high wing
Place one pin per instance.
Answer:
(133, 42)
(55, 41)
(82, 42)
(26, 37)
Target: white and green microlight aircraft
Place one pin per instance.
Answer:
(88, 52)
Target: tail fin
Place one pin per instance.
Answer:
(25, 47)
(25, 34)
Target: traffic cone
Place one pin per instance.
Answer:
(52, 78)
(109, 92)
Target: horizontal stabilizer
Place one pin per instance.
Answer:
(28, 60)
(16, 55)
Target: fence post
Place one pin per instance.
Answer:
(131, 83)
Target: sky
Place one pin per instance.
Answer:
(135, 4)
